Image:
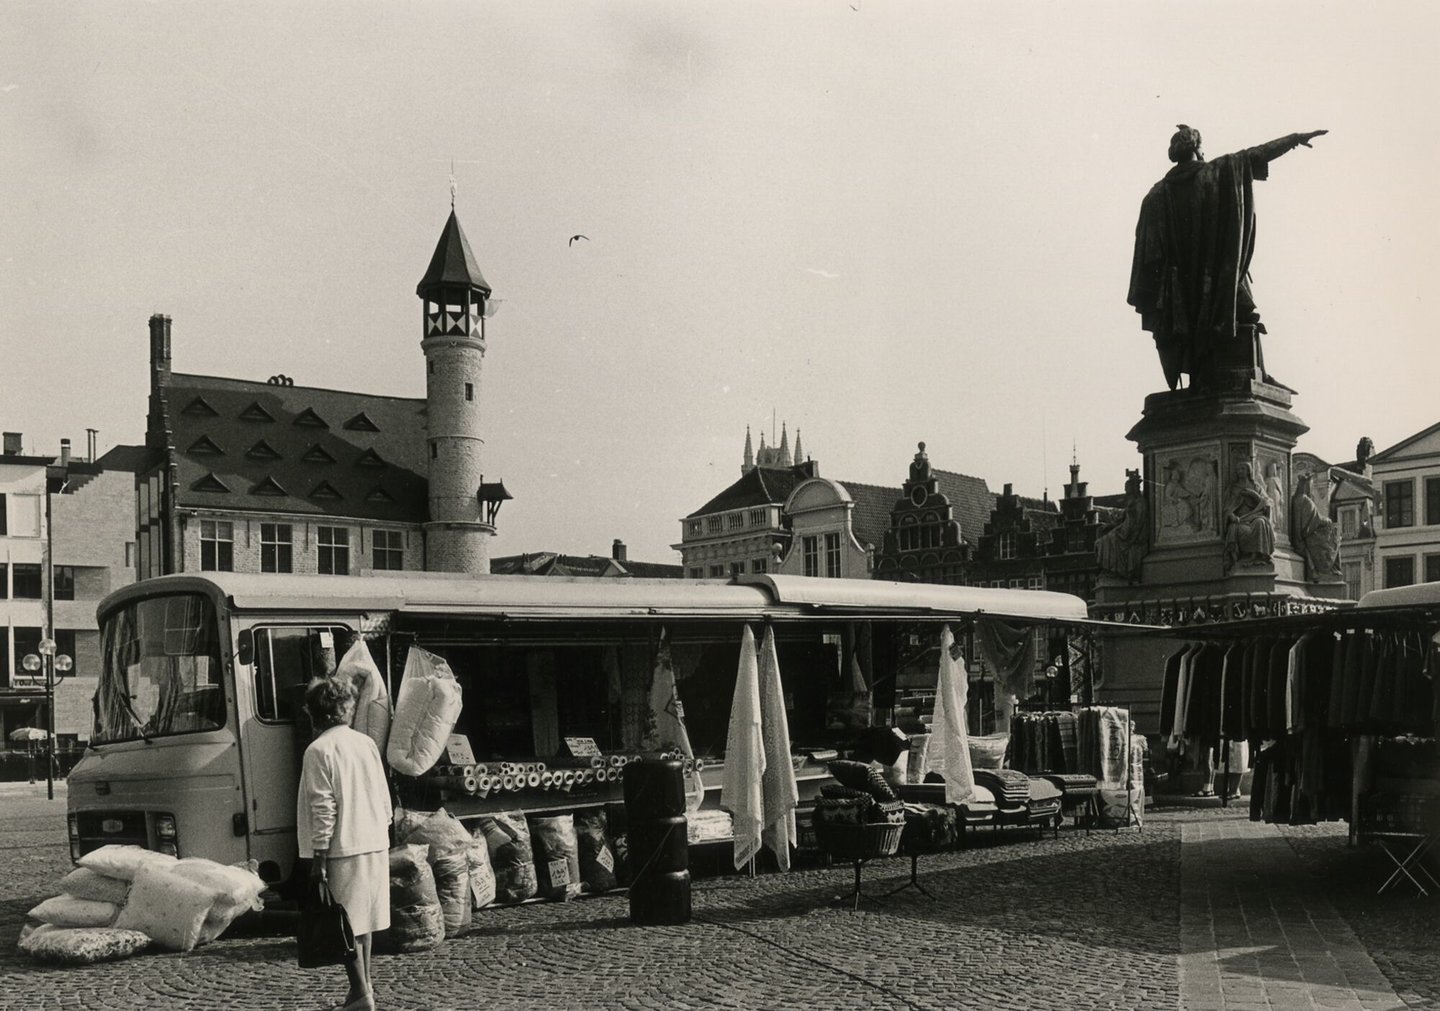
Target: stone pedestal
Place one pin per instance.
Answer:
(1195, 444)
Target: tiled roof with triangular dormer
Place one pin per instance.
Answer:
(452, 263)
(761, 486)
(277, 465)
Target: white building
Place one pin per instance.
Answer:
(1407, 538)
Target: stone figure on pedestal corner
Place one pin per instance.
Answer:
(1122, 547)
(1189, 278)
(1249, 532)
(1314, 535)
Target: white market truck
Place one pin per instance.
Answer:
(195, 748)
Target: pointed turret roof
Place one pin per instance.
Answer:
(453, 262)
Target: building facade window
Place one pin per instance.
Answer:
(217, 546)
(469, 391)
(1432, 501)
(1035, 583)
(4, 527)
(832, 555)
(759, 565)
(810, 552)
(387, 550)
(334, 551)
(737, 568)
(276, 547)
(1432, 568)
(1351, 572)
(1399, 571)
(4, 580)
(1006, 547)
(1347, 524)
(63, 585)
(25, 578)
(1399, 504)
(698, 572)
(717, 572)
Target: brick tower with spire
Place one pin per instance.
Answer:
(456, 299)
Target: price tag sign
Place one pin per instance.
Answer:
(582, 747)
(457, 750)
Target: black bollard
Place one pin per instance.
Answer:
(659, 847)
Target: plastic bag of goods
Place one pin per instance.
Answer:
(450, 860)
(597, 859)
(83, 883)
(69, 911)
(234, 890)
(508, 837)
(168, 907)
(123, 861)
(557, 857)
(82, 945)
(416, 921)
(372, 698)
(425, 713)
(482, 875)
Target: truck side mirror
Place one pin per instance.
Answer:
(245, 648)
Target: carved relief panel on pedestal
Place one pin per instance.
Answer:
(1185, 496)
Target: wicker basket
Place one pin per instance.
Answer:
(859, 842)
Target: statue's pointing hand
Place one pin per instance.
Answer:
(1305, 138)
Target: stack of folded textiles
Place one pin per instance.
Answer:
(1010, 786)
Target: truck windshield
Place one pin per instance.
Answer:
(162, 670)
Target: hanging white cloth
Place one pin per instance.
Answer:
(742, 792)
(949, 751)
(779, 791)
(667, 722)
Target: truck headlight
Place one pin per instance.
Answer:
(166, 838)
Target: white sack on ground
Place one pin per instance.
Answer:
(167, 907)
(778, 788)
(68, 911)
(83, 883)
(425, 713)
(742, 793)
(123, 861)
(82, 945)
(949, 751)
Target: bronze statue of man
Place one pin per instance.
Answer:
(1190, 276)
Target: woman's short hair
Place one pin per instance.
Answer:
(328, 700)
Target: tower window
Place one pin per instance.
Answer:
(469, 391)
(434, 451)
(431, 364)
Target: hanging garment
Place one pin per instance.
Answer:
(1294, 658)
(1230, 682)
(1169, 694)
(1337, 681)
(1350, 690)
(1276, 687)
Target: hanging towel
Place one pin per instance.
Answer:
(949, 752)
(1009, 650)
(742, 793)
(778, 788)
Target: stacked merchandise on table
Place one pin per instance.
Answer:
(1011, 787)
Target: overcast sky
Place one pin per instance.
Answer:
(882, 222)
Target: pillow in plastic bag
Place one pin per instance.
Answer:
(168, 907)
(83, 883)
(68, 911)
(557, 857)
(508, 837)
(123, 861)
(82, 945)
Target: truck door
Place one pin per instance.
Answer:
(274, 737)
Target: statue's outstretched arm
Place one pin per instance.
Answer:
(1273, 149)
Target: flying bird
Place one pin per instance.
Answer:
(574, 237)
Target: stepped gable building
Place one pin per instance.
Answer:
(268, 476)
(934, 525)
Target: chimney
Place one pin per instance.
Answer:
(64, 452)
(91, 435)
(159, 350)
(12, 443)
(617, 550)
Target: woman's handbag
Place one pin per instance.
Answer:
(324, 936)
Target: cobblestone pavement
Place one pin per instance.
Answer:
(1076, 922)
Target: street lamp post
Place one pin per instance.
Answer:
(52, 662)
